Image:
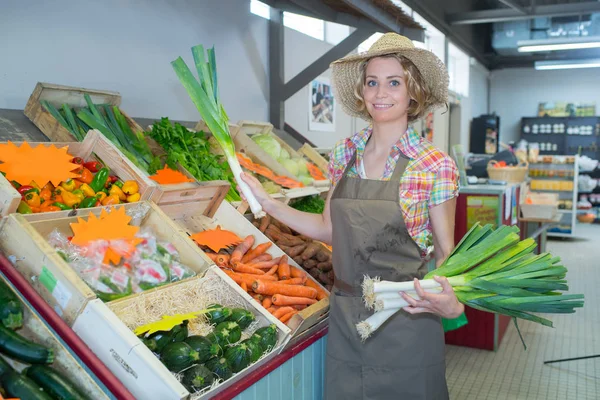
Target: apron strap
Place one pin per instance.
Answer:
(350, 164)
(401, 165)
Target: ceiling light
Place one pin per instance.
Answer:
(589, 42)
(568, 64)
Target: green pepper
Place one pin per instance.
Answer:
(88, 202)
(61, 206)
(99, 179)
(24, 208)
(15, 184)
(119, 184)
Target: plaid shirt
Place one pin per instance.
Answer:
(431, 177)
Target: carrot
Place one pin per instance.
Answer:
(248, 269)
(266, 264)
(259, 297)
(297, 273)
(272, 309)
(244, 287)
(271, 288)
(282, 300)
(321, 293)
(241, 250)
(257, 251)
(284, 268)
(293, 281)
(248, 278)
(282, 311)
(273, 271)
(223, 259)
(212, 256)
(266, 303)
(287, 316)
(311, 251)
(261, 258)
(264, 223)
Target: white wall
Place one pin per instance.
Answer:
(127, 46)
(477, 101)
(515, 93)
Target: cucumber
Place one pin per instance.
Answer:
(11, 309)
(197, 378)
(19, 348)
(53, 383)
(237, 357)
(243, 317)
(219, 367)
(178, 356)
(21, 387)
(231, 331)
(205, 348)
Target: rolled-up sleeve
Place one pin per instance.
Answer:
(445, 186)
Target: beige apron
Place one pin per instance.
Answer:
(405, 358)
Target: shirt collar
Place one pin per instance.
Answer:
(408, 143)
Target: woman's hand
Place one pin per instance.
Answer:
(444, 304)
(257, 189)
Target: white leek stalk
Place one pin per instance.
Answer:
(367, 327)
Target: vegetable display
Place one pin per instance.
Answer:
(312, 204)
(205, 95)
(313, 256)
(95, 187)
(489, 270)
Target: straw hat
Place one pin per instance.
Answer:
(346, 71)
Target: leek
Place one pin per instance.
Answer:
(490, 270)
(205, 95)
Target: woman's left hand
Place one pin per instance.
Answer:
(444, 304)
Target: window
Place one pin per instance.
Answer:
(364, 46)
(459, 65)
(260, 9)
(309, 26)
(335, 33)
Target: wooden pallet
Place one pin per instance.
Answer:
(94, 147)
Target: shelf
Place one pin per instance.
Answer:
(560, 234)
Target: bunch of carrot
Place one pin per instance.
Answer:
(282, 289)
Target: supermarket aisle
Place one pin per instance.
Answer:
(512, 373)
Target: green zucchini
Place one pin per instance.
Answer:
(4, 367)
(218, 338)
(231, 331)
(19, 348)
(219, 367)
(21, 387)
(237, 357)
(53, 383)
(197, 378)
(158, 340)
(205, 348)
(11, 309)
(255, 352)
(178, 356)
(266, 337)
(243, 317)
(180, 332)
(218, 314)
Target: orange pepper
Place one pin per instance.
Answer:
(77, 184)
(111, 200)
(57, 198)
(51, 209)
(46, 194)
(35, 210)
(86, 176)
(49, 186)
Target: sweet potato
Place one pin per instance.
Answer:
(323, 255)
(264, 223)
(298, 260)
(310, 251)
(296, 250)
(324, 278)
(325, 266)
(315, 273)
(309, 264)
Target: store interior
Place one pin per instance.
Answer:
(102, 79)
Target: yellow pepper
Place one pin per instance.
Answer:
(115, 190)
(33, 199)
(70, 199)
(68, 185)
(133, 198)
(79, 193)
(35, 185)
(87, 190)
(130, 187)
(110, 200)
(101, 196)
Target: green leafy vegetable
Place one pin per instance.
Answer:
(312, 204)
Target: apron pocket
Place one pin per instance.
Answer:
(343, 341)
(343, 380)
(425, 383)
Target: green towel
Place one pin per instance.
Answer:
(453, 324)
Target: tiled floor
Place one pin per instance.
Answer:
(512, 373)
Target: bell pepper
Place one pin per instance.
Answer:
(23, 190)
(93, 166)
(87, 190)
(88, 202)
(119, 183)
(33, 199)
(79, 193)
(45, 194)
(52, 209)
(24, 208)
(60, 205)
(86, 176)
(99, 180)
(68, 185)
(113, 179)
(70, 199)
(15, 184)
(35, 185)
(78, 161)
(101, 196)
(114, 189)
(110, 200)
(130, 187)
(133, 198)
(49, 186)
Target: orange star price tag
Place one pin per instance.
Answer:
(168, 176)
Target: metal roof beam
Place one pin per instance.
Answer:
(501, 15)
(512, 4)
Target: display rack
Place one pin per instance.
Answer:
(558, 174)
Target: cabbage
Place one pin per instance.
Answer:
(307, 180)
(268, 144)
(302, 168)
(284, 154)
(291, 166)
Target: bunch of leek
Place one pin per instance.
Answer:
(205, 95)
(489, 270)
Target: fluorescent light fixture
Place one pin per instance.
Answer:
(588, 42)
(568, 64)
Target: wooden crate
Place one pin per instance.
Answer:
(102, 327)
(313, 155)
(36, 330)
(57, 95)
(94, 147)
(25, 238)
(191, 217)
